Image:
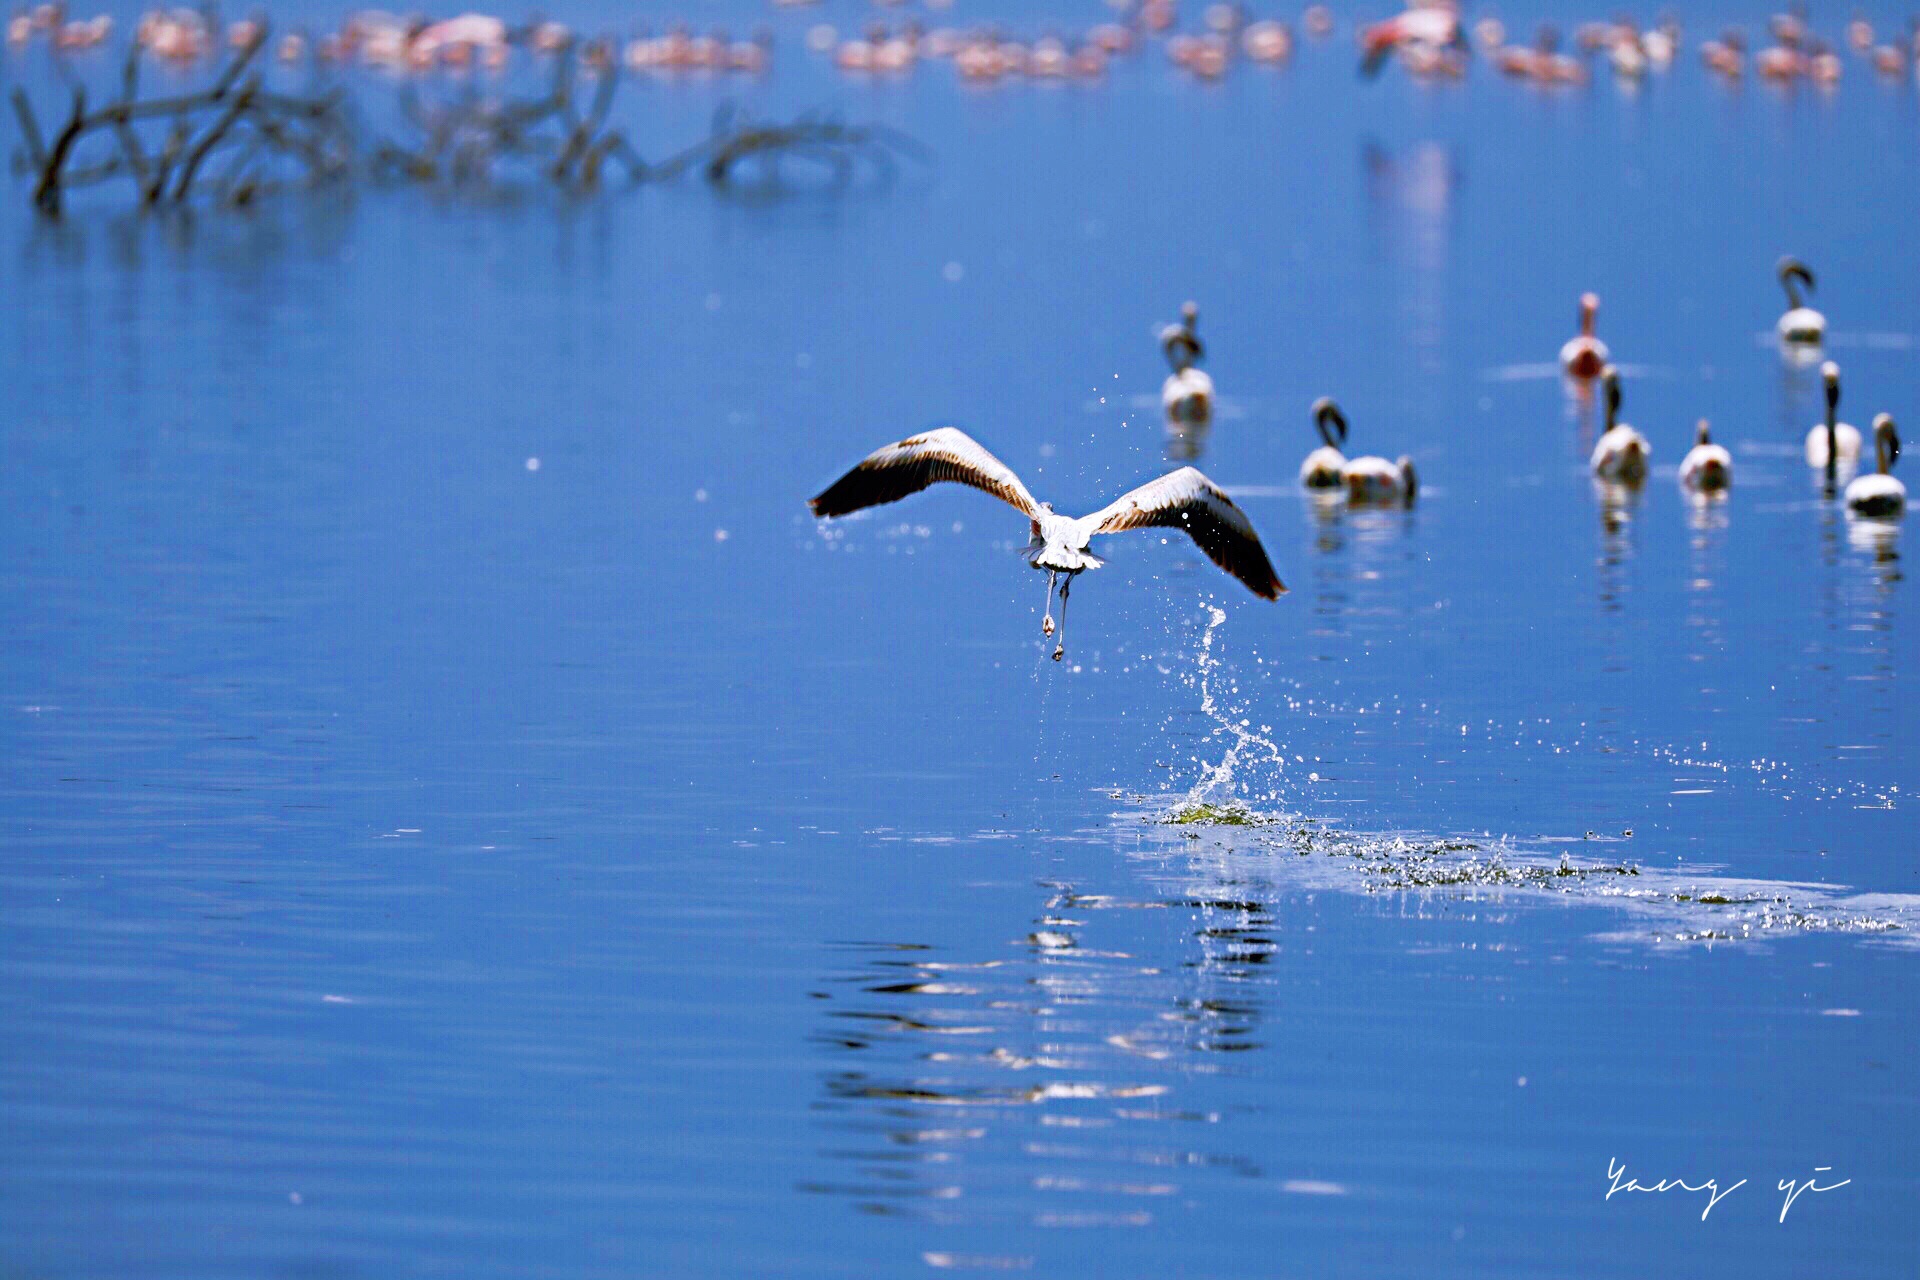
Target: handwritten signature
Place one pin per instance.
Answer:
(1618, 1181)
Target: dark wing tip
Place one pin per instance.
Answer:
(1263, 581)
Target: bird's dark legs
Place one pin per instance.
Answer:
(1060, 649)
(1046, 623)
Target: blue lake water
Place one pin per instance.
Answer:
(463, 817)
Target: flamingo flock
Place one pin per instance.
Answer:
(393, 42)
(1430, 39)
(1833, 448)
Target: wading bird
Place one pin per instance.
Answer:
(1878, 493)
(1801, 323)
(1708, 467)
(1832, 444)
(1187, 394)
(1430, 28)
(1182, 499)
(1584, 356)
(1324, 466)
(1375, 482)
(1621, 452)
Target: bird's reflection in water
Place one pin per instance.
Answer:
(1359, 548)
(1619, 504)
(1410, 215)
(1040, 1083)
(1830, 482)
(1797, 357)
(1879, 540)
(1799, 390)
(1186, 441)
(1706, 563)
(1580, 402)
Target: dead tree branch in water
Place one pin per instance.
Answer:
(238, 140)
(465, 140)
(739, 147)
(271, 140)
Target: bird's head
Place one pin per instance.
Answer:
(1886, 441)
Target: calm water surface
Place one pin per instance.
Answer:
(463, 818)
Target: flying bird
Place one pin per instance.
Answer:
(1183, 499)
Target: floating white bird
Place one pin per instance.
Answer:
(1621, 452)
(1182, 499)
(1833, 444)
(1708, 467)
(1584, 356)
(1801, 323)
(1323, 467)
(1878, 493)
(1372, 481)
(1187, 394)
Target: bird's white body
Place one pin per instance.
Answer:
(1187, 396)
(1583, 356)
(1804, 325)
(1876, 494)
(1621, 454)
(1832, 443)
(1059, 543)
(1370, 480)
(1436, 25)
(1845, 444)
(1628, 57)
(1879, 494)
(1324, 468)
(1706, 467)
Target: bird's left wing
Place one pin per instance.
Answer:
(1186, 499)
(894, 472)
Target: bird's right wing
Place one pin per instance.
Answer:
(895, 472)
(1186, 499)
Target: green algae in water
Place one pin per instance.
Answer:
(1216, 815)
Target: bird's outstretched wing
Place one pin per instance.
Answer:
(1185, 499)
(892, 473)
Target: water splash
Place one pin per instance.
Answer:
(1218, 786)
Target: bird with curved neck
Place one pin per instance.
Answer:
(1801, 324)
(1877, 493)
(1708, 467)
(1833, 444)
(1183, 499)
(1585, 355)
(1323, 467)
(1621, 452)
(1187, 394)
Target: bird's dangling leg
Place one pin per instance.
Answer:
(1046, 623)
(1060, 649)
